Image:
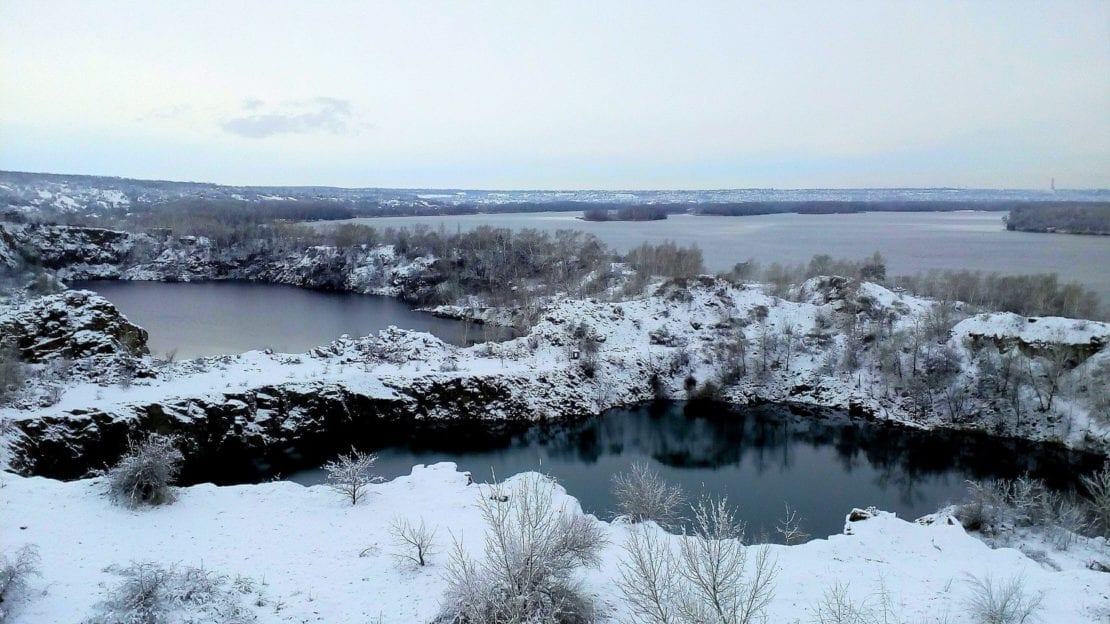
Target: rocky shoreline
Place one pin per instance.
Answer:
(701, 339)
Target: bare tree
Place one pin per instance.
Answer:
(349, 475)
(714, 564)
(647, 577)
(768, 347)
(641, 495)
(790, 527)
(146, 474)
(415, 540)
(789, 343)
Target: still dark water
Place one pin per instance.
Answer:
(220, 318)
(760, 457)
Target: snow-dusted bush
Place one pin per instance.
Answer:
(415, 541)
(146, 474)
(1098, 493)
(12, 371)
(709, 391)
(350, 474)
(14, 574)
(149, 593)
(532, 551)
(1002, 602)
(837, 606)
(996, 505)
(7, 425)
(711, 579)
(642, 495)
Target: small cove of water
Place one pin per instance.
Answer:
(218, 318)
(760, 457)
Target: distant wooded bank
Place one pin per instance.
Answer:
(626, 213)
(1062, 218)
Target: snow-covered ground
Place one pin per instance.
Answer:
(315, 558)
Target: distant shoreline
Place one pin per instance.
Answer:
(1091, 218)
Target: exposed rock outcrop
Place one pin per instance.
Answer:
(74, 324)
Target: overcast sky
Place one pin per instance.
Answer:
(561, 94)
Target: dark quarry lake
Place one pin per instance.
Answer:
(218, 318)
(761, 457)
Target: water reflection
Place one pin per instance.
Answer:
(761, 457)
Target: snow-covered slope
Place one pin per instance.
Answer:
(308, 556)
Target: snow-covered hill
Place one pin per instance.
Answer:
(40, 192)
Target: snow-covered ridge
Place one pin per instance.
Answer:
(703, 338)
(35, 192)
(1047, 330)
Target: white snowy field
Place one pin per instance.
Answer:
(315, 558)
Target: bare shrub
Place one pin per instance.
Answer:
(1021, 502)
(1004, 602)
(350, 474)
(14, 574)
(1098, 494)
(709, 580)
(12, 371)
(642, 495)
(415, 541)
(790, 527)
(532, 550)
(837, 607)
(1063, 517)
(146, 474)
(149, 593)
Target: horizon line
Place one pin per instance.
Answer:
(562, 190)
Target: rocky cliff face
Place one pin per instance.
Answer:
(75, 253)
(79, 251)
(72, 324)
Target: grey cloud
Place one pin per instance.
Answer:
(320, 114)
